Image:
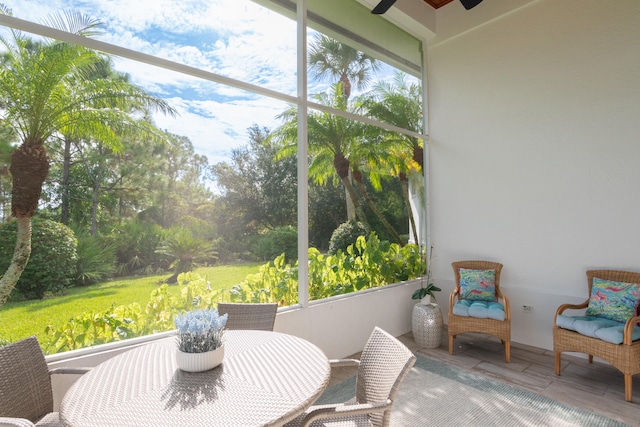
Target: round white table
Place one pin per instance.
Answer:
(265, 379)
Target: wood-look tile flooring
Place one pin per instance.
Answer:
(598, 387)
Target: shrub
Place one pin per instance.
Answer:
(367, 264)
(345, 235)
(185, 252)
(96, 259)
(135, 244)
(52, 263)
(281, 240)
(127, 321)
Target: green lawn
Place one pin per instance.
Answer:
(22, 319)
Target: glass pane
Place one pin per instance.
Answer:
(239, 39)
(361, 182)
(201, 186)
(371, 87)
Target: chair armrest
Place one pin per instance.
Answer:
(564, 307)
(15, 422)
(452, 300)
(507, 307)
(343, 410)
(69, 370)
(628, 329)
(339, 363)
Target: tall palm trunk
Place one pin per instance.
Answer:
(29, 168)
(357, 175)
(97, 183)
(19, 261)
(346, 85)
(405, 195)
(66, 167)
(351, 209)
(341, 164)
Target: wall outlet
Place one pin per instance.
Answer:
(527, 308)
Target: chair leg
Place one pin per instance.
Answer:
(627, 387)
(450, 344)
(558, 362)
(507, 351)
(591, 358)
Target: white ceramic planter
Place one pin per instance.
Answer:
(426, 324)
(199, 362)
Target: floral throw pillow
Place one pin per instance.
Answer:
(478, 285)
(613, 300)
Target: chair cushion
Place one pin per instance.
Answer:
(478, 285)
(597, 327)
(479, 309)
(613, 300)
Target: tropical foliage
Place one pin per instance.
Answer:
(48, 90)
(368, 264)
(77, 147)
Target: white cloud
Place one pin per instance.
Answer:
(233, 38)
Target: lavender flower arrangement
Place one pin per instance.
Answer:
(200, 331)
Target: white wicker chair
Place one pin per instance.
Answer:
(260, 317)
(384, 363)
(26, 397)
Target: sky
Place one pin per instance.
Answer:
(234, 38)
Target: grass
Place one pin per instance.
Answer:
(25, 318)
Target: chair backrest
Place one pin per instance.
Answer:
(259, 317)
(613, 275)
(25, 385)
(478, 265)
(384, 363)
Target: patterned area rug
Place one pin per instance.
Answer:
(435, 394)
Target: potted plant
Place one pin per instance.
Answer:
(200, 339)
(426, 321)
(426, 293)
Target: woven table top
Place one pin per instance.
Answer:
(265, 379)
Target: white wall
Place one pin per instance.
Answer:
(534, 120)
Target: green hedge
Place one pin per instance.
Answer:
(52, 264)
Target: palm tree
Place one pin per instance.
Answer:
(369, 157)
(328, 58)
(338, 62)
(399, 103)
(185, 252)
(105, 79)
(331, 140)
(46, 89)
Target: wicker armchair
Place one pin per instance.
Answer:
(259, 317)
(624, 356)
(384, 363)
(26, 397)
(461, 324)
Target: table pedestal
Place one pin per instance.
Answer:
(427, 325)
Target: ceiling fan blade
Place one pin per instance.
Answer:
(382, 7)
(468, 4)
